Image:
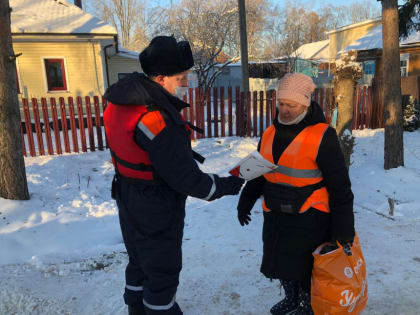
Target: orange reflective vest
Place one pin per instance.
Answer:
(129, 160)
(297, 164)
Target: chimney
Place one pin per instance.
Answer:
(78, 3)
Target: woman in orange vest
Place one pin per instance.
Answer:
(307, 200)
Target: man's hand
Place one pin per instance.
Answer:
(244, 217)
(232, 185)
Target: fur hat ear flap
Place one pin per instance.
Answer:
(164, 56)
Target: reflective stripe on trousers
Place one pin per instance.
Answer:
(159, 307)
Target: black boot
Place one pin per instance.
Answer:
(288, 305)
(304, 303)
(136, 310)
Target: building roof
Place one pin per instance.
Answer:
(126, 53)
(350, 26)
(373, 40)
(317, 51)
(55, 16)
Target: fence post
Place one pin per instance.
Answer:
(369, 108)
(208, 100)
(28, 125)
(216, 112)
(56, 129)
(273, 105)
(81, 119)
(89, 123)
(104, 104)
(222, 111)
(254, 113)
(237, 110)
(230, 111)
(197, 111)
(267, 108)
(98, 123)
(64, 124)
(38, 130)
(191, 110)
(47, 126)
(73, 125)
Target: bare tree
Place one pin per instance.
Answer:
(13, 184)
(394, 147)
(205, 25)
(256, 25)
(134, 21)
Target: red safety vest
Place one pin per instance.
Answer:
(298, 165)
(129, 160)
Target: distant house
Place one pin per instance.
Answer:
(64, 51)
(313, 59)
(366, 39)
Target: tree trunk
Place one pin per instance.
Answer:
(394, 147)
(344, 94)
(13, 184)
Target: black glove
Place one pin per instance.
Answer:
(347, 243)
(230, 185)
(244, 216)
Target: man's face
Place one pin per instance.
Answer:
(289, 110)
(170, 83)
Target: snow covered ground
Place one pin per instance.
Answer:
(61, 252)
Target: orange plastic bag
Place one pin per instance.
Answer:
(339, 283)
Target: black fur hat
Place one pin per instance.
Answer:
(166, 56)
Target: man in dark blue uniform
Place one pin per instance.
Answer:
(155, 172)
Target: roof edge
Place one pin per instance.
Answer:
(348, 27)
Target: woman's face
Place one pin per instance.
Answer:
(289, 110)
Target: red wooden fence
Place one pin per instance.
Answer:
(222, 112)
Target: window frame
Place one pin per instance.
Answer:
(406, 58)
(63, 62)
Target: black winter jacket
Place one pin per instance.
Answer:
(290, 239)
(170, 151)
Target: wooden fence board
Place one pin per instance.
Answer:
(28, 125)
(215, 113)
(98, 123)
(230, 118)
(56, 129)
(222, 111)
(47, 129)
(81, 123)
(73, 125)
(64, 125)
(89, 124)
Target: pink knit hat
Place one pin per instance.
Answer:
(296, 87)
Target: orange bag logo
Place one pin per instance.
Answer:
(339, 283)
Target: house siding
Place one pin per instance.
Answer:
(414, 64)
(341, 39)
(118, 64)
(83, 66)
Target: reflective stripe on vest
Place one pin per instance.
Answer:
(130, 161)
(297, 164)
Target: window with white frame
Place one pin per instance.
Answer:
(56, 74)
(404, 62)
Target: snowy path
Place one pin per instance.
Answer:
(78, 259)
